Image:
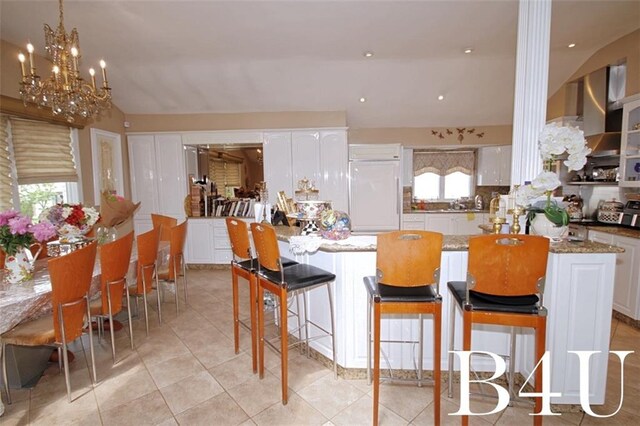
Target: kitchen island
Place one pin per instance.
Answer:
(578, 296)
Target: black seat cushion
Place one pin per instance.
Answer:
(381, 292)
(252, 264)
(299, 276)
(495, 303)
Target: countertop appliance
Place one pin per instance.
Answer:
(375, 195)
(631, 214)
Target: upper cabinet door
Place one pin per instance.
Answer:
(505, 165)
(489, 166)
(172, 187)
(305, 156)
(277, 164)
(407, 167)
(142, 161)
(334, 164)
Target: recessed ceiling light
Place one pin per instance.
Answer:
(441, 97)
(468, 50)
(368, 54)
(571, 45)
(363, 100)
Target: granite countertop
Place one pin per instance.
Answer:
(450, 243)
(440, 211)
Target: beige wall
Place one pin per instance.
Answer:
(235, 121)
(627, 47)
(111, 121)
(423, 137)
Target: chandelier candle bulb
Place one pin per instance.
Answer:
(21, 58)
(103, 65)
(74, 53)
(32, 65)
(92, 72)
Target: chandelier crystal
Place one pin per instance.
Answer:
(65, 92)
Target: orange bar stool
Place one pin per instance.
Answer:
(147, 245)
(175, 266)
(244, 265)
(505, 284)
(406, 282)
(114, 265)
(283, 282)
(70, 282)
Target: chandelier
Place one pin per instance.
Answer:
(65, 92)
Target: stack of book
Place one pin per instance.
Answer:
(196, 198)
(242, 207)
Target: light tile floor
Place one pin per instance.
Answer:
(186, 372)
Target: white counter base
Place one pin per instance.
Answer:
(578, 296)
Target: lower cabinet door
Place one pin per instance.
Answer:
(199, 244)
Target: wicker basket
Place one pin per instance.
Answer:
(607, 216)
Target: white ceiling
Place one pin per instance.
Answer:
(239, 56)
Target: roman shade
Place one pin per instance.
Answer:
(443, 162)
(224, 173)
(42, 152)
(6, 181)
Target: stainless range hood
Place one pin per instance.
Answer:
(592, 100)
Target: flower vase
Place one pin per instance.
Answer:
(19, 267)
(540, 225)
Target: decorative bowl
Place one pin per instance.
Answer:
(311, 209)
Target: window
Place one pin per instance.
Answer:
(41, 165)
(226, 175)
(443, 175)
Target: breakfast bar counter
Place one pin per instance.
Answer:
(578, 297)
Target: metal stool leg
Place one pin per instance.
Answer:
(452, 332)
(333, 332)
(369, 341)
(420, 348)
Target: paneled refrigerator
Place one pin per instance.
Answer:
(375, 196)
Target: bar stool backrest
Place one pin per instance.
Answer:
(114, 264)
(239, 237)
(508, 265)
(177, 238)
(147, 245)
(164, 224)
(408, 258)
(70, 281)
(266, 242)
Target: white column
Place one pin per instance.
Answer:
(532, 74)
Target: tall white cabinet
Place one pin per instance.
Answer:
(494, 165)
(318, 155)
(158, 178)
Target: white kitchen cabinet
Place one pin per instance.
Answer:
(305, 156)
(407, 167)
(158, 179)
(626, 293)
(445, 223)
(208, 241)
(494, 166)
(439, 222)
(630, 145)
(199, 247)
(319, 155)
(334, 155)
(278, 170)
(413, 222)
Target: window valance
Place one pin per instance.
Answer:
(443, 162)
